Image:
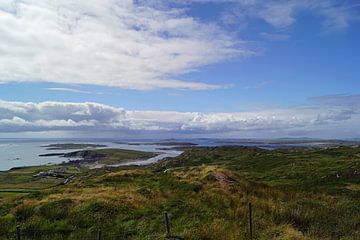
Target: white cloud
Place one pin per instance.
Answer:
(68, 90)
(93, 117)
(142, 44)
(336, 15)
(116, 43)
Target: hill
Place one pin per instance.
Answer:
(295, 194)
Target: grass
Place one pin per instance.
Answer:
(115, 156)
(206, 193)
(331, 170)
(21, 179)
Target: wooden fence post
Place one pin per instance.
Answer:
(18, 233)
(250, 222)
(167, 225)
(99, 234)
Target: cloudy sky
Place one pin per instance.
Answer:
(180, 68)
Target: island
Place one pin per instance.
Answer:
(67, 146)
(102, 156)
(162, 143)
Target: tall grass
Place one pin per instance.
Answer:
(206, 199)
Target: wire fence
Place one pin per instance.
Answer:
(99, 234)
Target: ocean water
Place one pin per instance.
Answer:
(25, 152)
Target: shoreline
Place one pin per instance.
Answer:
(35, 153)
(27, 153)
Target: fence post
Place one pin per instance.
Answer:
(99, 234)
(250, 222)
(18, 233)
(167, 225)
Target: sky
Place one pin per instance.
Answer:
(180, 68)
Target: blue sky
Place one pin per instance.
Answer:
(250, 60)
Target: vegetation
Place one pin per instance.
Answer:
(115, 156)
(296, 194)
(66, 146)
(103, 156)
(333, 170)
(22, 180)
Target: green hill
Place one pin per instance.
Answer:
(295, 194)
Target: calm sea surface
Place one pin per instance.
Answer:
(25, 152)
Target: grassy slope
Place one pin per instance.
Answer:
(114, 156)
(20, 179)
(206, 193)
(309, 169)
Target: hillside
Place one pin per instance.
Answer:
(295, 194)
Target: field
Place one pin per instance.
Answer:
(295, 194)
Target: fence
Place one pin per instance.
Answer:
(100, 235)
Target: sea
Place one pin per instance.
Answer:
(25, 152)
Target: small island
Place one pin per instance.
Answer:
(67, 146)
(101, 156)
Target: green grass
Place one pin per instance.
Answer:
(309, 169)
(21, 179)
(206, 193)
(115, 156)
